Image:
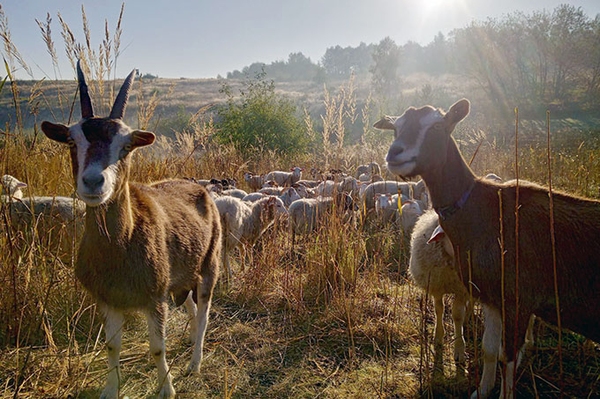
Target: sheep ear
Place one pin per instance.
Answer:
(56, 132)
(142, 138)
(386, 123)
(437, 235)
(457, 112)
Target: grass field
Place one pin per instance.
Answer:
(339, 319)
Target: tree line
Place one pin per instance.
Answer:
(542, 59)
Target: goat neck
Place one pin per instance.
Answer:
(451, 185)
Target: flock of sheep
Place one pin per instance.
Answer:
(165, 245)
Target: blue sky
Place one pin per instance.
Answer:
(202, 39)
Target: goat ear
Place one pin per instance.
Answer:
(141, 138)
(56, 131)
(386, 123)
(457, 112)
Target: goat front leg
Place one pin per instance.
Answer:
(438, 302)
(156, 331)
(511, 359)
(459, 311)
(205, 291)
(113, 328)
(491, 343)
(192, 310)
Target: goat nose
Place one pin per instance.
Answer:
(393, 152)
(93, 181)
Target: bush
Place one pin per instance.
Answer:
(260, 120)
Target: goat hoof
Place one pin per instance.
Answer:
(109, 393)
(167, 391)
(193, 368)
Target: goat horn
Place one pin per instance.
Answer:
(86, 103)
(118, 109)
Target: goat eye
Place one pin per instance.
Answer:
(438, 126)
(125, 150)
(71, 143)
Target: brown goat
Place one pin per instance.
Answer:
(141, 243)
(503, 252)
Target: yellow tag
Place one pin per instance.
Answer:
(399, 201)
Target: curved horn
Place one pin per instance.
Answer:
(86, 103)
(118, 109)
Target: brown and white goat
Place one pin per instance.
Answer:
(504, 252)
(141, 243)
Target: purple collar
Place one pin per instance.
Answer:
(446, 211)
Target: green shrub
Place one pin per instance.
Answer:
(260, 120)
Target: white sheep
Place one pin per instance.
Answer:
(289, 195)
(285, 178)
(304, 191)
(329, 188)
(307, 214)
(253, 197)
(386, 209)
(234, 192)
(57, 219)
(370, 169)
(410, 213)
(11, 188)
(255, 182)
(388, 187)
(244, 223)
(431, 267)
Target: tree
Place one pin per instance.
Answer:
(341, 62)
(260, 119)
(386, 67)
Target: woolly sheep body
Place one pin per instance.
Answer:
(58, 221)
(235, 192)
(431, 267)
(244, 223)
(255, 182)
(388, 187)
(306, 214)
(253, 197)
(285, 178)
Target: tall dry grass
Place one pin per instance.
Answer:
(341, 320)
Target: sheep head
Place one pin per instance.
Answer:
(100, 147)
